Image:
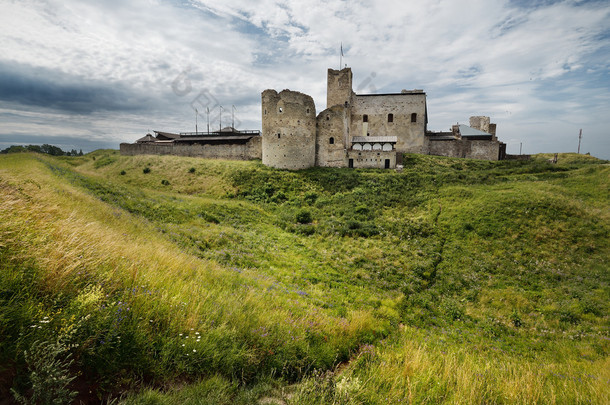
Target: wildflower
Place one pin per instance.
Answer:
(179, 334)
(194, 351)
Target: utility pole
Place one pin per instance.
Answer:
(220, 119)
(207, 110)
(520, 147)
(579, 138)
(196, 114)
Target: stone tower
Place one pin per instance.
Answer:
(289, 130)
(339, 87)
(480, 122)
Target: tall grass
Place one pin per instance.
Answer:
(453, 281)
(417, 367)
(134, 302)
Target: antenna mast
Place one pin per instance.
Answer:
(579, 138)
(220, 119)
(233, 118)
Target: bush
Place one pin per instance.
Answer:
(146, 170)
(192, 170)
(516, 319)
(49, 365)
(311, 197)
(165, 182)
(123, 172)
(303, 217)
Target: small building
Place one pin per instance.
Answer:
(227, 143)
(477, 141)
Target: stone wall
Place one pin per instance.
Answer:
(463, 148)
(410, 135)
(332, 138)
(371, 159)
(289, 130)
(245, 151)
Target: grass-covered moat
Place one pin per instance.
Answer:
(154, 280)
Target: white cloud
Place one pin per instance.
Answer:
(530, 68)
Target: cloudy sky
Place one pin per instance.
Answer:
(92, 74)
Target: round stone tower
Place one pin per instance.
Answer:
(289, 130)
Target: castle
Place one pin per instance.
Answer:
(355, 130)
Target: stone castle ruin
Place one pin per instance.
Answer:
(355, 130)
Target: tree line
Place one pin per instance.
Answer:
(46, 148)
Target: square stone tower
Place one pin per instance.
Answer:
(339, 87)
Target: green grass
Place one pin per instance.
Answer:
(455, 280)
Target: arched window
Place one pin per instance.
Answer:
(331, 140)
(281, 109)
(365, 118)
(278, 135)
(390, 117)
(327, 117)
(414, 117)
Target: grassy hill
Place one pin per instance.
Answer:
(182, 280)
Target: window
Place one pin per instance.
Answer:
(365, 118)
(265, 111)
(390, 117)
(331, 140)
(308, 111)
(327, 118)
(281, 109)
(278, 135)
(414, 117)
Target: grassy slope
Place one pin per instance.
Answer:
(455, 280)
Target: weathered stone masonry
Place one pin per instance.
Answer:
(355, 130)
(362, 130)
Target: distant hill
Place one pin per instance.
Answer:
(183, 280)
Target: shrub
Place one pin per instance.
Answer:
(516, 319)
(123, 172)
(303, 217)
(165, 182)
(192, 170)
(146, 170)
(49, 365)
(311, 197)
